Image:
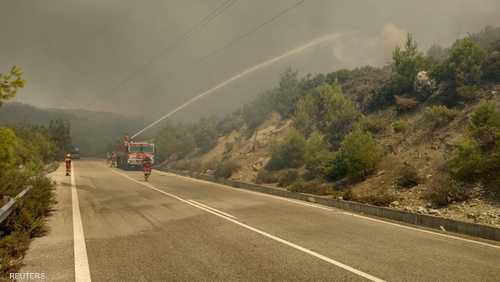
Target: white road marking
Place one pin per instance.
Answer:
(285, 242)
(212, 209)
(302, 203)
(82, 272)
(333, 209)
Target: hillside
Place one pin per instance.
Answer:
(91, 131)
(417, 147)
(421, 134)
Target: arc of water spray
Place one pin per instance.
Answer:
(299, 49)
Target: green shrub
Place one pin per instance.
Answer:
(36, 205)
(318, 158)
(407, 62)
(327, 110)
(35, 146)
(360, 153)
(463, 65)
(400, 126)
(484, 125)
(266, 176)
(477, 158)
(285, 97)
(469, 92)
(491, 65)
(23, 152)
(339, 167)
(442, 190)
(472, 164)
(311, 187)
(367, 86)
(466, 163)
(289, 153)
(10, 82)
(225, 169)
(13, 181)
(407, 177)
(304, 119)
(287, 177)
(8, 144)
(490, 176)
(374, 124)
(437, 116)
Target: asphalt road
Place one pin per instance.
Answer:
(110, 225)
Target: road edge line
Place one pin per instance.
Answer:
(82, 271)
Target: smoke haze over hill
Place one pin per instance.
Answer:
(90, 54)
(92, 132)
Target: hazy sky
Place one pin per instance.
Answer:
(76, 54)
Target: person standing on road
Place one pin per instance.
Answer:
(147, 164)
(113, 160)
(67, 161)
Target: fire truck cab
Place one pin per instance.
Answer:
(134, 153)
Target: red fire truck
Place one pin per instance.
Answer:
(131, 154)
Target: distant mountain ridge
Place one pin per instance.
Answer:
(91, 131)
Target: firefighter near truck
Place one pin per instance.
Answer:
(131, 154)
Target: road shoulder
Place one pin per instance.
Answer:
(52, 254)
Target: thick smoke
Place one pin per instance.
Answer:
(75, 53)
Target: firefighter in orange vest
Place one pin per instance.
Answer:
(67, 161)
(147, 165)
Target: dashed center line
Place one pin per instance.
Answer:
(212, 209)
(275, 238)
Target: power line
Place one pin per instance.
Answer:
(252, 31)
(248, 33)
(247, 71)
(217, 11)
(252, 69)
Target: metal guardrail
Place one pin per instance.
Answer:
(430, 221)
(9, 206)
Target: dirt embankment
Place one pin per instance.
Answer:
(250, 152)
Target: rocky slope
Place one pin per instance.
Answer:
(419, 147)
